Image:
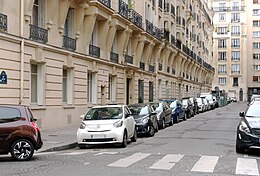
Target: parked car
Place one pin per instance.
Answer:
(178, 112)
(163, 113)
(207, 105)
(195, 106)
(209, 97)
(215, 100)
(145, 118)
(112, 124)
(187, 105)
(201, 104)
(19, 133)
(248, 133)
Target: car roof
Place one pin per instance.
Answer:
(13, 106)
(108, 106)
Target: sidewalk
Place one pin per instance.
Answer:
(59, 139)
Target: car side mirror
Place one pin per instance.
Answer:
(128, 115)
(242, 114)
(153, 113)
(82, 117)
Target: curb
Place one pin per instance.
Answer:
(60, 148)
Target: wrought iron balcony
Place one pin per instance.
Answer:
(168, 69)
(129, 59)
(178, 44)
(199, 60)
(166, 35)
(135, 18)
(142, 65)
(173, 40)
(123, 9)
(151, 68)
(160, 67)
(94, 51)
(173, 71)
(106, 2)
(149, 27)
(113, 57)
(38, 34)
(157, 33)
(3, 22)
(69, 43)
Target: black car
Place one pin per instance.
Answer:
(145, 118)
(248, 130)
(194, 105)
(187, 105)
(163, 113)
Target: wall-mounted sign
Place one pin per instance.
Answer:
(3, 78)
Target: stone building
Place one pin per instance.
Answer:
(62, 57)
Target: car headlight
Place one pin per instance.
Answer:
(173, 111)
(118, 123)
(145, 119)
(243, 127)
(82, 125)
(158, 115)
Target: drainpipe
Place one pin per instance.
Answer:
(22, 51)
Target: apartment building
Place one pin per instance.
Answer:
(236, 47)
(63, 57)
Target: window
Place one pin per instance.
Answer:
(235, 30)
(256, 56)
(222, 7)
(235, 43)
(94, 37)
(235, 6)
(140, 91)
(256, 22)
(235, 55)
(256, 11)
(222, 69)
(167, 89)
(222, 30)
(222, 17)
(38, 13)
(256, 78)
(222, 80)
(9, 114)
(150, 91)
(256, 67)
(90, 82)
(235, 68)
(37, 84)
(222, 43)
(67, 86)
(256, 1)
(112, 88)
(256, 34)
(222, 56)
(68, 26)
(235, 17)
(235, 81)
(256, 45)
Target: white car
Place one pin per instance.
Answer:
(111, 124)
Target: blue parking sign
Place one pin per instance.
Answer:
(3, 78)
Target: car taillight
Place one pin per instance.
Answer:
(34, 125)
(23, 119)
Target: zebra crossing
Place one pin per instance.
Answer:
(201, 164)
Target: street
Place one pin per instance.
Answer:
(202, 145)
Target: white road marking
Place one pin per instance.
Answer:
(125, 162)
(45, 153)
(205, 164)
(167, 162)
(74, 153)
(247, 166)
(108, 153)
(86, 163)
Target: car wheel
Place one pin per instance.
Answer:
(82, 146)
(156, 127)
(22, 150)
(134, 137)
(163, 124)
(151, 131)
(185, 117)
(239, 149)
(124, 142)
(171, 122)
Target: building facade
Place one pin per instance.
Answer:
(236, 47)
(63, 57)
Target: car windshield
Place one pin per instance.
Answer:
(185, 102)
(208, 97)
(139, 110)
(253, 111)
(173, 105)
(157, 107)
(106, 113)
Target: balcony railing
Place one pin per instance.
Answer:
(113, 57)
(178, 44)
(69, 43)
(3, 22)
(135, 18)
(157, 33)
(173, 40)
(106, 2)
(123, 8)
(149, 27)
(160, 4)
(166, 35)
(151, 68)
(129, 59)
(173, 71)
(94, 51)
(160, 67)
(38, 34)
(142, 65)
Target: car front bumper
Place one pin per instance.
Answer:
(245, 140)
(142, 128)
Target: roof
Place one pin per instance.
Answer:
(108, 106)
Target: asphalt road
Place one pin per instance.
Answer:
(202, 145)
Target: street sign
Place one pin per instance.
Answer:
(3, 78)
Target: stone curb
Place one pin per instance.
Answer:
(63, 147)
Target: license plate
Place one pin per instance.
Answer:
(98, 136)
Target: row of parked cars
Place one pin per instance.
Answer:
(119, 124)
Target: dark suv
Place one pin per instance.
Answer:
(19, 134)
